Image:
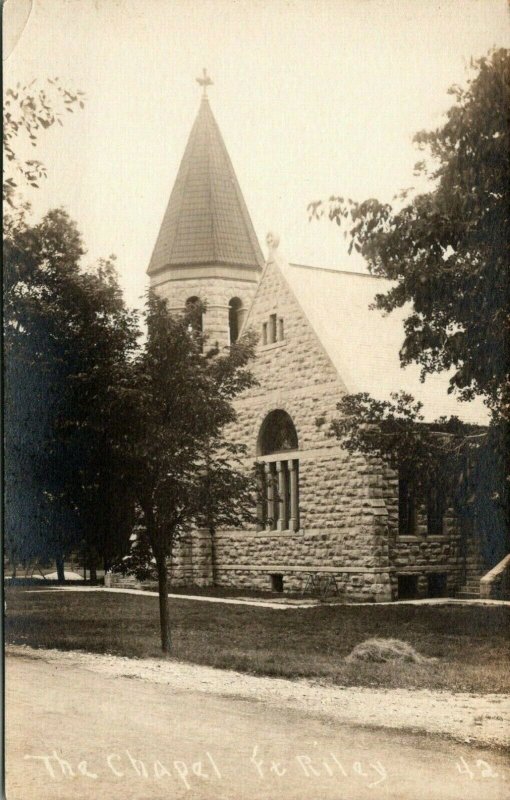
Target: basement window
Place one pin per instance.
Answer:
(277, 582)
(436, 584)
(407, 587)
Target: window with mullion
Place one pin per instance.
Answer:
(436, 505)
(406, 507)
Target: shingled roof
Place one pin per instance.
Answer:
(206, 221)
(364, 344)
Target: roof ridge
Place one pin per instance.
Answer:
(339, 271)
(248, 225)
(215, 248)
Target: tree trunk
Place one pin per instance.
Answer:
(159, 551)
(60, 568)
(164, 618)
(93, 573)
(13, 569)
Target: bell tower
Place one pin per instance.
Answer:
(207, 248)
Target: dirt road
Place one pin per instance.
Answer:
(76, 733)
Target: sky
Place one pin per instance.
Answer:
(313, 98)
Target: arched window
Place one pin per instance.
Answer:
(278, 473)
(194, 309)
(277, 433)
(235, 318)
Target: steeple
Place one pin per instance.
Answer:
(206, 220)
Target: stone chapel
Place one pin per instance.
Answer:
(335, 520)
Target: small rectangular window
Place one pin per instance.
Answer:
(406, 508)
(280, 330)
(272, 329)
(264, 333)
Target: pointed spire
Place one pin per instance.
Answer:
(206, 221)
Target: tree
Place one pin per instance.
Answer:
(68, 337)
(179, 395)
(28, 110)
(104, 342)
(446, 252)
(468, 464)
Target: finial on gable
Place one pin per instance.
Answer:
(275, 256)
(204, 81)
(272, 241)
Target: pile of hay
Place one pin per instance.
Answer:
(380, 651)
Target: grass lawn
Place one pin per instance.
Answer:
(471, 643)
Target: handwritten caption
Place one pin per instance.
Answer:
(206, 768)
(119, 765)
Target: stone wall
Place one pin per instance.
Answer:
(348, 505)
(343, 519)
(191, 560)
(422, 554)
(214, 285)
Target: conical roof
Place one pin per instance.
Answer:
(206, 220)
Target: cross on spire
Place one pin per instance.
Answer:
(204, 81)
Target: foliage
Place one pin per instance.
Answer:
(139, 560)
(67, 339)
(447, 250)
(28, 110)
(446, 253)
(184, 473)
(394, 430)
(469, 463)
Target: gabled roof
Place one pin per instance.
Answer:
(206, 220)
(364, 345)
